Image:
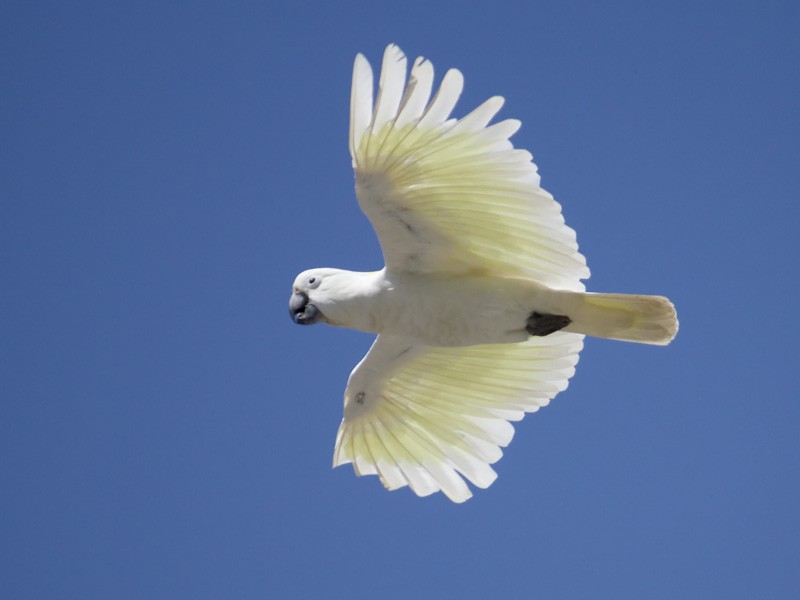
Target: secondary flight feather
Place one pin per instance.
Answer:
(480, 309)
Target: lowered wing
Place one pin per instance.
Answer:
(428, 417)
(452, 195)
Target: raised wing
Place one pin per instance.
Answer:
(427, 417)
(447, 195)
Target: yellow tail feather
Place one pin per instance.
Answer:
(626, 317)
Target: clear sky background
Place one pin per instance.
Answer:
(166, 431)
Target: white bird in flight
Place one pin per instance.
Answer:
(480, 311)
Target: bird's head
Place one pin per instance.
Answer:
(311, 292)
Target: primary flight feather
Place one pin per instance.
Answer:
(480, 311)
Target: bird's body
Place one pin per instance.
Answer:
(480, 309)
(465, 309)
(458, 310)
(452, 310)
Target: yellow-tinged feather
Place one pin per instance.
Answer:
(442, 413)
(435, 167)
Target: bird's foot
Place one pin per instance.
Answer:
(541, 325)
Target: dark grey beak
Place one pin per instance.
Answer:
(301, 311)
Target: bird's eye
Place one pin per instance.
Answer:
(311, 280)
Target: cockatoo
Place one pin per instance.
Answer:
(480, 311)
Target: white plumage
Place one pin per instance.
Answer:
(480, 309)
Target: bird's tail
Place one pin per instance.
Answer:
(626, 317)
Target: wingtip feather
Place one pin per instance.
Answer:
(360, 102)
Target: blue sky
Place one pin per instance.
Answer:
(166, 431)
